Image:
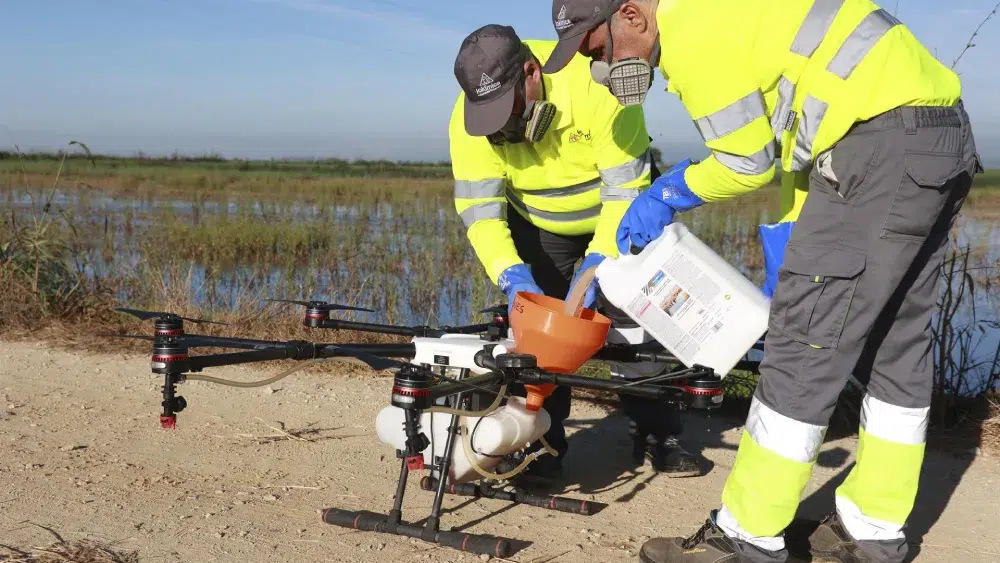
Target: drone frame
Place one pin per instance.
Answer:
(415, 389)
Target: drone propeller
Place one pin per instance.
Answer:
(321, 305)
(146, 315)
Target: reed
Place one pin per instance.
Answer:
(204, 238)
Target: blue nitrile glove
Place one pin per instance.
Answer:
(773, 238)
(590, 296)
(514, 279)
(654, 208)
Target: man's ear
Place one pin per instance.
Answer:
(632, 15)
(533, 78)
(532, 70)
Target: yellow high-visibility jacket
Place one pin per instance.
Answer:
(767, 80)
(579, 179)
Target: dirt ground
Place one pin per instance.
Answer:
(81, 453)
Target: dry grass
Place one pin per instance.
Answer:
(62, 551)
(82, 551)
(991, 429)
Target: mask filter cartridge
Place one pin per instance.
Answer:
(629, 80)
(531, 126)
(540, 115)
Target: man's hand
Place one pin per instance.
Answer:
(514, 279)
(654, 209)
(590, 297)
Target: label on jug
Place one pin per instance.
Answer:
(683, 303)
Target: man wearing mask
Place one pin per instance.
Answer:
(544, 169)
(875, 145)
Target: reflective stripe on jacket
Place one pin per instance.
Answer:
(579, 179)
(785, 81)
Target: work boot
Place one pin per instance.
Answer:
(668, 457)
(665, 454)
(830, 543)
(545, 470)
(708, 545)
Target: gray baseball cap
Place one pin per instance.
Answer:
(572, 20)
(488, 67)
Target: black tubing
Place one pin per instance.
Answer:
(359, 520)
(561, 504)
(428, 483)
(472, 543)
(371, 521)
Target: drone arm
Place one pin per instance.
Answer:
(536, 376)
(633, 353)
(201, 341)
(402, 350)
(292, 351)
(467, 329)
(338, 324)
(422, 331)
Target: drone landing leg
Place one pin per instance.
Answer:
(517, 495)
(393, 523)
(396, 514)
(443, 467)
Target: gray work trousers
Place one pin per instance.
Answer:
(856, 293)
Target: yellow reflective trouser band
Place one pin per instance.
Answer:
(851, 52)
(773, 464)
(877, 497)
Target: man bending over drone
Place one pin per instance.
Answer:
(568, 160)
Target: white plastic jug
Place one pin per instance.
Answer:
(504, 431)
(694, 303)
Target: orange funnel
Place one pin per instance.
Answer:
(561, 343)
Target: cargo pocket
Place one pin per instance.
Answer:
(922, 194)
(816, 286)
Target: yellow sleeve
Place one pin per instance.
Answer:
(621, 147)
(730, 113)
(480, 180)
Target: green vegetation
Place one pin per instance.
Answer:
(212, 238)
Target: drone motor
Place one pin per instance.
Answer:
(704, 392)
(411, 389)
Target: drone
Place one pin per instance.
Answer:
(441, 378)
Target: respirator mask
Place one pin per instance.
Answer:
(530, 125)
(629, 79)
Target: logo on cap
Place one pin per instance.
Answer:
(487, 85)
(561, 22)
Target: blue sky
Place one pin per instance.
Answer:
(317, 78)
